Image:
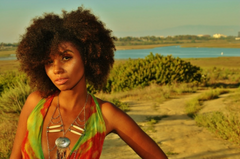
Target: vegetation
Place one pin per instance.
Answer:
(153, 69)
(13, 99)
(9, 79)
(195, 105)
(152, 120)
(224, 124)
(218, 73)
(7, 135)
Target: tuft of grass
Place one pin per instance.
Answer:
(233, 102)
(225, 126)
(184, 88)
(193, 106)
(156, 119)
(7, 135)
(212, 94)
(169, 153)
(152, 120)
(9, 78)
(13, 99)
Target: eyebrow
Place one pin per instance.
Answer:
(61, 53)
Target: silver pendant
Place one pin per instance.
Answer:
(62, 144)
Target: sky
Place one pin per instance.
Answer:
(123, 17)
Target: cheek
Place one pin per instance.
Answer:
(77, 67)
(47, 70)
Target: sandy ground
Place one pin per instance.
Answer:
(177, 135)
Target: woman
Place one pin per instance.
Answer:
(60, 54)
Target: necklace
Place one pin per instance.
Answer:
(56, 125)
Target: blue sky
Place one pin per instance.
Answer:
(124, 17)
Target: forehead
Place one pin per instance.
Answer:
(66, 46)
(63, 47)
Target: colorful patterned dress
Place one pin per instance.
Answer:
(88, 146)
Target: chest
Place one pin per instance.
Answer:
(38, 141)
(58, 123)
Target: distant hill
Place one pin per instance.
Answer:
(185, 30)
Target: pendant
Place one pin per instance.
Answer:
(62, 144)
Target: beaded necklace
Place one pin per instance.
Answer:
(56, 125)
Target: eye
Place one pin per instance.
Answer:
(66, 58)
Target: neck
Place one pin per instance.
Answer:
(71, 99)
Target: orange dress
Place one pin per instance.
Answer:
(88, 146)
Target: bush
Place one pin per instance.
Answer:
(229, 75)
(9, 78)
(158, 69)
(13, 99)
(225, 126)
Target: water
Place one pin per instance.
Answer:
(175, 51)
(10, 57)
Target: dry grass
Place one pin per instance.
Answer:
(158, 93)
(7, 135)
(194, 105)
(8, 66)
(153, 92)
(213, 44)
(7, 53)
(233, 102)
(224, 124)
(222, 62)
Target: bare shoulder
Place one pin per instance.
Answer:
(31, 102)
(112, 115)
(108, 109)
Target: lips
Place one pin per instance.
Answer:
(61, 81)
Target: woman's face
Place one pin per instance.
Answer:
(66, 69)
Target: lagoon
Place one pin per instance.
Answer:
(177, 51)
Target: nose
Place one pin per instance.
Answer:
(57, 67)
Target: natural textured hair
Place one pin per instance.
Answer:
(83, 29)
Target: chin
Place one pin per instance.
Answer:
(64, 88)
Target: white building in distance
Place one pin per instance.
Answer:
(219, 35)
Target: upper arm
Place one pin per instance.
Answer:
(29, 105)
(119, 122)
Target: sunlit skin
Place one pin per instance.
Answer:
(66, 71)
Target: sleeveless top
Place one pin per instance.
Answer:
(88, 146)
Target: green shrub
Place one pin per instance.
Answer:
(7, 79)
(222, 74)
(212, 94)
(154, 68)
(226, 126)
(193, 106)
(13, 99)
